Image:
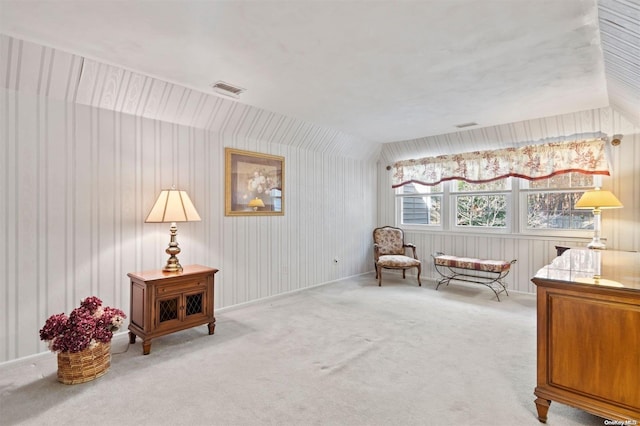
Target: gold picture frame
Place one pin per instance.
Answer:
(254, 184)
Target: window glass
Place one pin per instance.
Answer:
(565, 180)
(416, 188)
(496, 185)
(555, 210)
(420, 204)
(483, 205)
(550, 203)
(481, 210)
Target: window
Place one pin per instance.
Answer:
(549, 203)
(545, 206)
(420, 204)
(483, 205)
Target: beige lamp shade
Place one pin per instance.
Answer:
(173, 205)
(598, 199)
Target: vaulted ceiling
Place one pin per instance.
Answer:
(381, 71)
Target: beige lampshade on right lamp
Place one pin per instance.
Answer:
(597, 200)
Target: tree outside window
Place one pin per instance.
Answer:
(483, 205)
(551, 202)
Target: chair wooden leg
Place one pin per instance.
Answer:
(403, 274)
(419, 271)
(379, 275)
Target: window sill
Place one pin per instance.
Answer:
(507, 235)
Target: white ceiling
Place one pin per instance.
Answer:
(381, 70)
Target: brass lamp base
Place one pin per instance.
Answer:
(173, 264)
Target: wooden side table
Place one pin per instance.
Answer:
(166, 302)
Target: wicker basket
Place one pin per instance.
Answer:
(84, 366)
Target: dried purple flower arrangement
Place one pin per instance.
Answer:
(84, 327)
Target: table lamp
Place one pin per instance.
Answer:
(597, 200)
(173, 206)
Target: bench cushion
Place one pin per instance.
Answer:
(473, 264)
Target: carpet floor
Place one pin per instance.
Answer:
(345, 353)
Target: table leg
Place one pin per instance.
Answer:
(146, 347)
(542, 405)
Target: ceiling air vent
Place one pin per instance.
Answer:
(463, 125)
(227, 89)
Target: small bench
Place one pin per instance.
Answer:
(489, 273)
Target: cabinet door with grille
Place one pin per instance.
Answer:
(195, 306)
(168, 312)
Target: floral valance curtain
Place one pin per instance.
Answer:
(529, 162)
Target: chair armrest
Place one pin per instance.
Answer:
(412, 247)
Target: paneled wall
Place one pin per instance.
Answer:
(620, 227)
(86, 147)
(76, 183)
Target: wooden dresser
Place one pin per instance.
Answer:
(166, 302)
(588, 305)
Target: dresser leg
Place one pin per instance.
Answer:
(132, 338)
(542, 405)
(146, 347)
(212, 326)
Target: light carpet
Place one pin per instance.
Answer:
(345, 353)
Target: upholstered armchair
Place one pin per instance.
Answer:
(389, 252)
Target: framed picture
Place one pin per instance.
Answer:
(254, 184)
